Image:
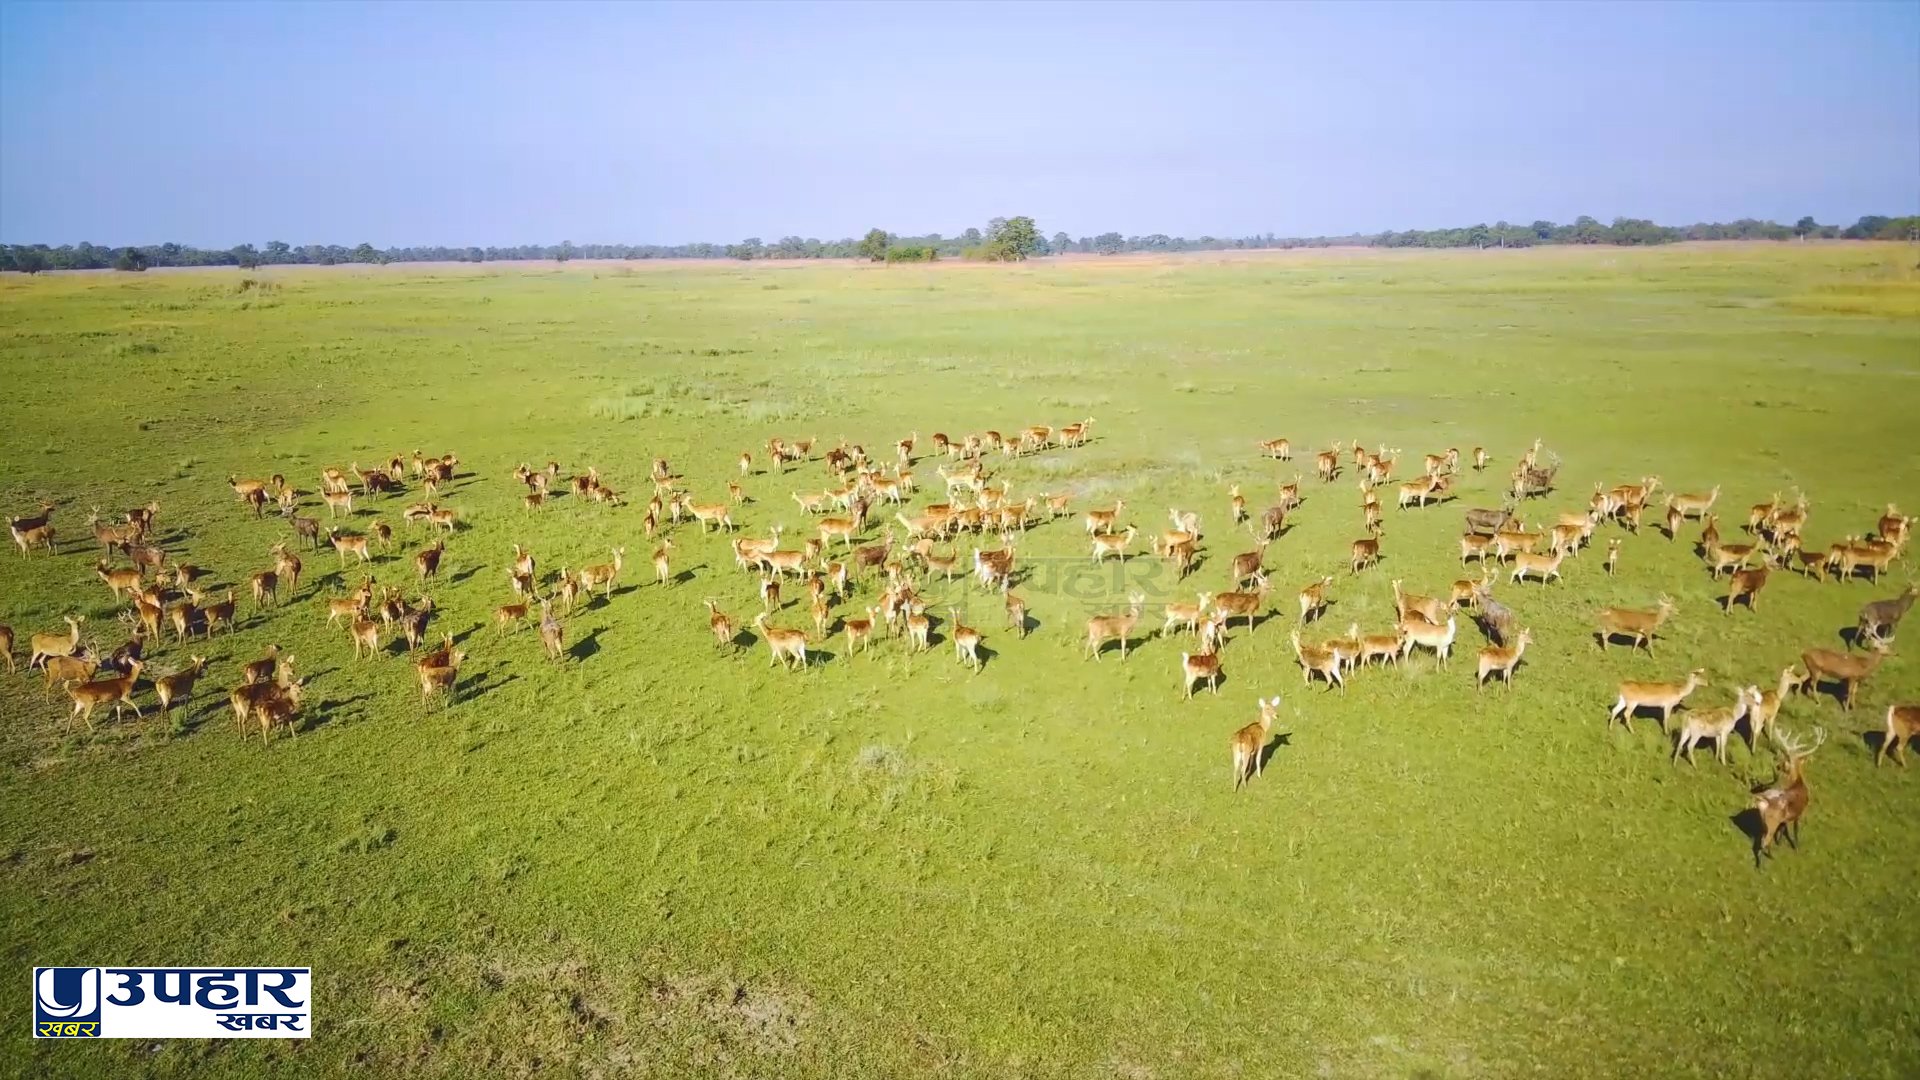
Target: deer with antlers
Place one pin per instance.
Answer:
(1784, 803)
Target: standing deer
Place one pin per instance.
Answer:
(88, 696)
(1782, 805)
(178, 687)
(552, 634)
(1250, 742)
(1715, 724)
(1903, 723)
(1825, 665)
(1104, 628)
(1650, 695)
(787, 648)
(966, 641)
(1199, 668)
(1502, 659)
(47, 646)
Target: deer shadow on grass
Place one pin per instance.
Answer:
(329, 711)
(481, 684)
(461, 637)
(587, 646)
(1754, 828)
(684, 576)
(465, 574)
(1280, 739)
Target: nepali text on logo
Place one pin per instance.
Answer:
(172, 1003)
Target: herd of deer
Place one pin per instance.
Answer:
(978, 504)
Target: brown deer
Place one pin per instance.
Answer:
(966, 641)
(787, 648)
(662, 567)
(552, 634)
(267, 668)
(1326, 464)
(1406, 604)
(603, 575)
(46, 646)
(62, 670)
(1766, 709)
(1016, 613)
(1247, 566)
(279, 709)
(1419, 632)
(438, 679)
(1715, 724)
(119, 581)
(217, 614)
(1318, 660)
(1633, 623)
(1105, 544)
(365, 635)
(1277, 449)
(712, 515)
(6, 648)
(35, 531)
(860, 632)
(1314, 600)
(1613, 556)
(1651, 695)
(88, 696)
(1825, 665)
(1244, 605)
(1365, 553)
(1101, 521)
(1747, 583)
(265, 586)
(1102, 629)
(1544, 567)
(1502, 659)
(1782, 805)
(178, 687)
(1250, 742)
(345, 544)
(1903, 723)
(1199, 668)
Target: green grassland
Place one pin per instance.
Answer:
(659, 859)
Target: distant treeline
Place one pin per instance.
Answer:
(972, 243)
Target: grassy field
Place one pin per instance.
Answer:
(659, 859)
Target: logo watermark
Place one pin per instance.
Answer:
(172, 1003)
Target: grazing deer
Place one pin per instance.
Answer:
(1101, 521)
(552, 634)
(1313, 599)
(1639, 625)
(1365, 553)
(1105, 544)
(265, 586)
(1651, 695)
(46, 646)
(1104, 628)
(1880, 619)
(1825, 665)
(712, 515)
(439, 678)
(1251, 741)
(1782, 805)
(1903, 723)
(88, 696)
(178, 687)
(1502, 659)
(1715, 724)
(1244, 605)
(1199, 668)
(1277, 449)
(788, 648)
(1318, 660)
(1420, 632)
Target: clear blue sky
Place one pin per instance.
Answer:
(214, 124)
